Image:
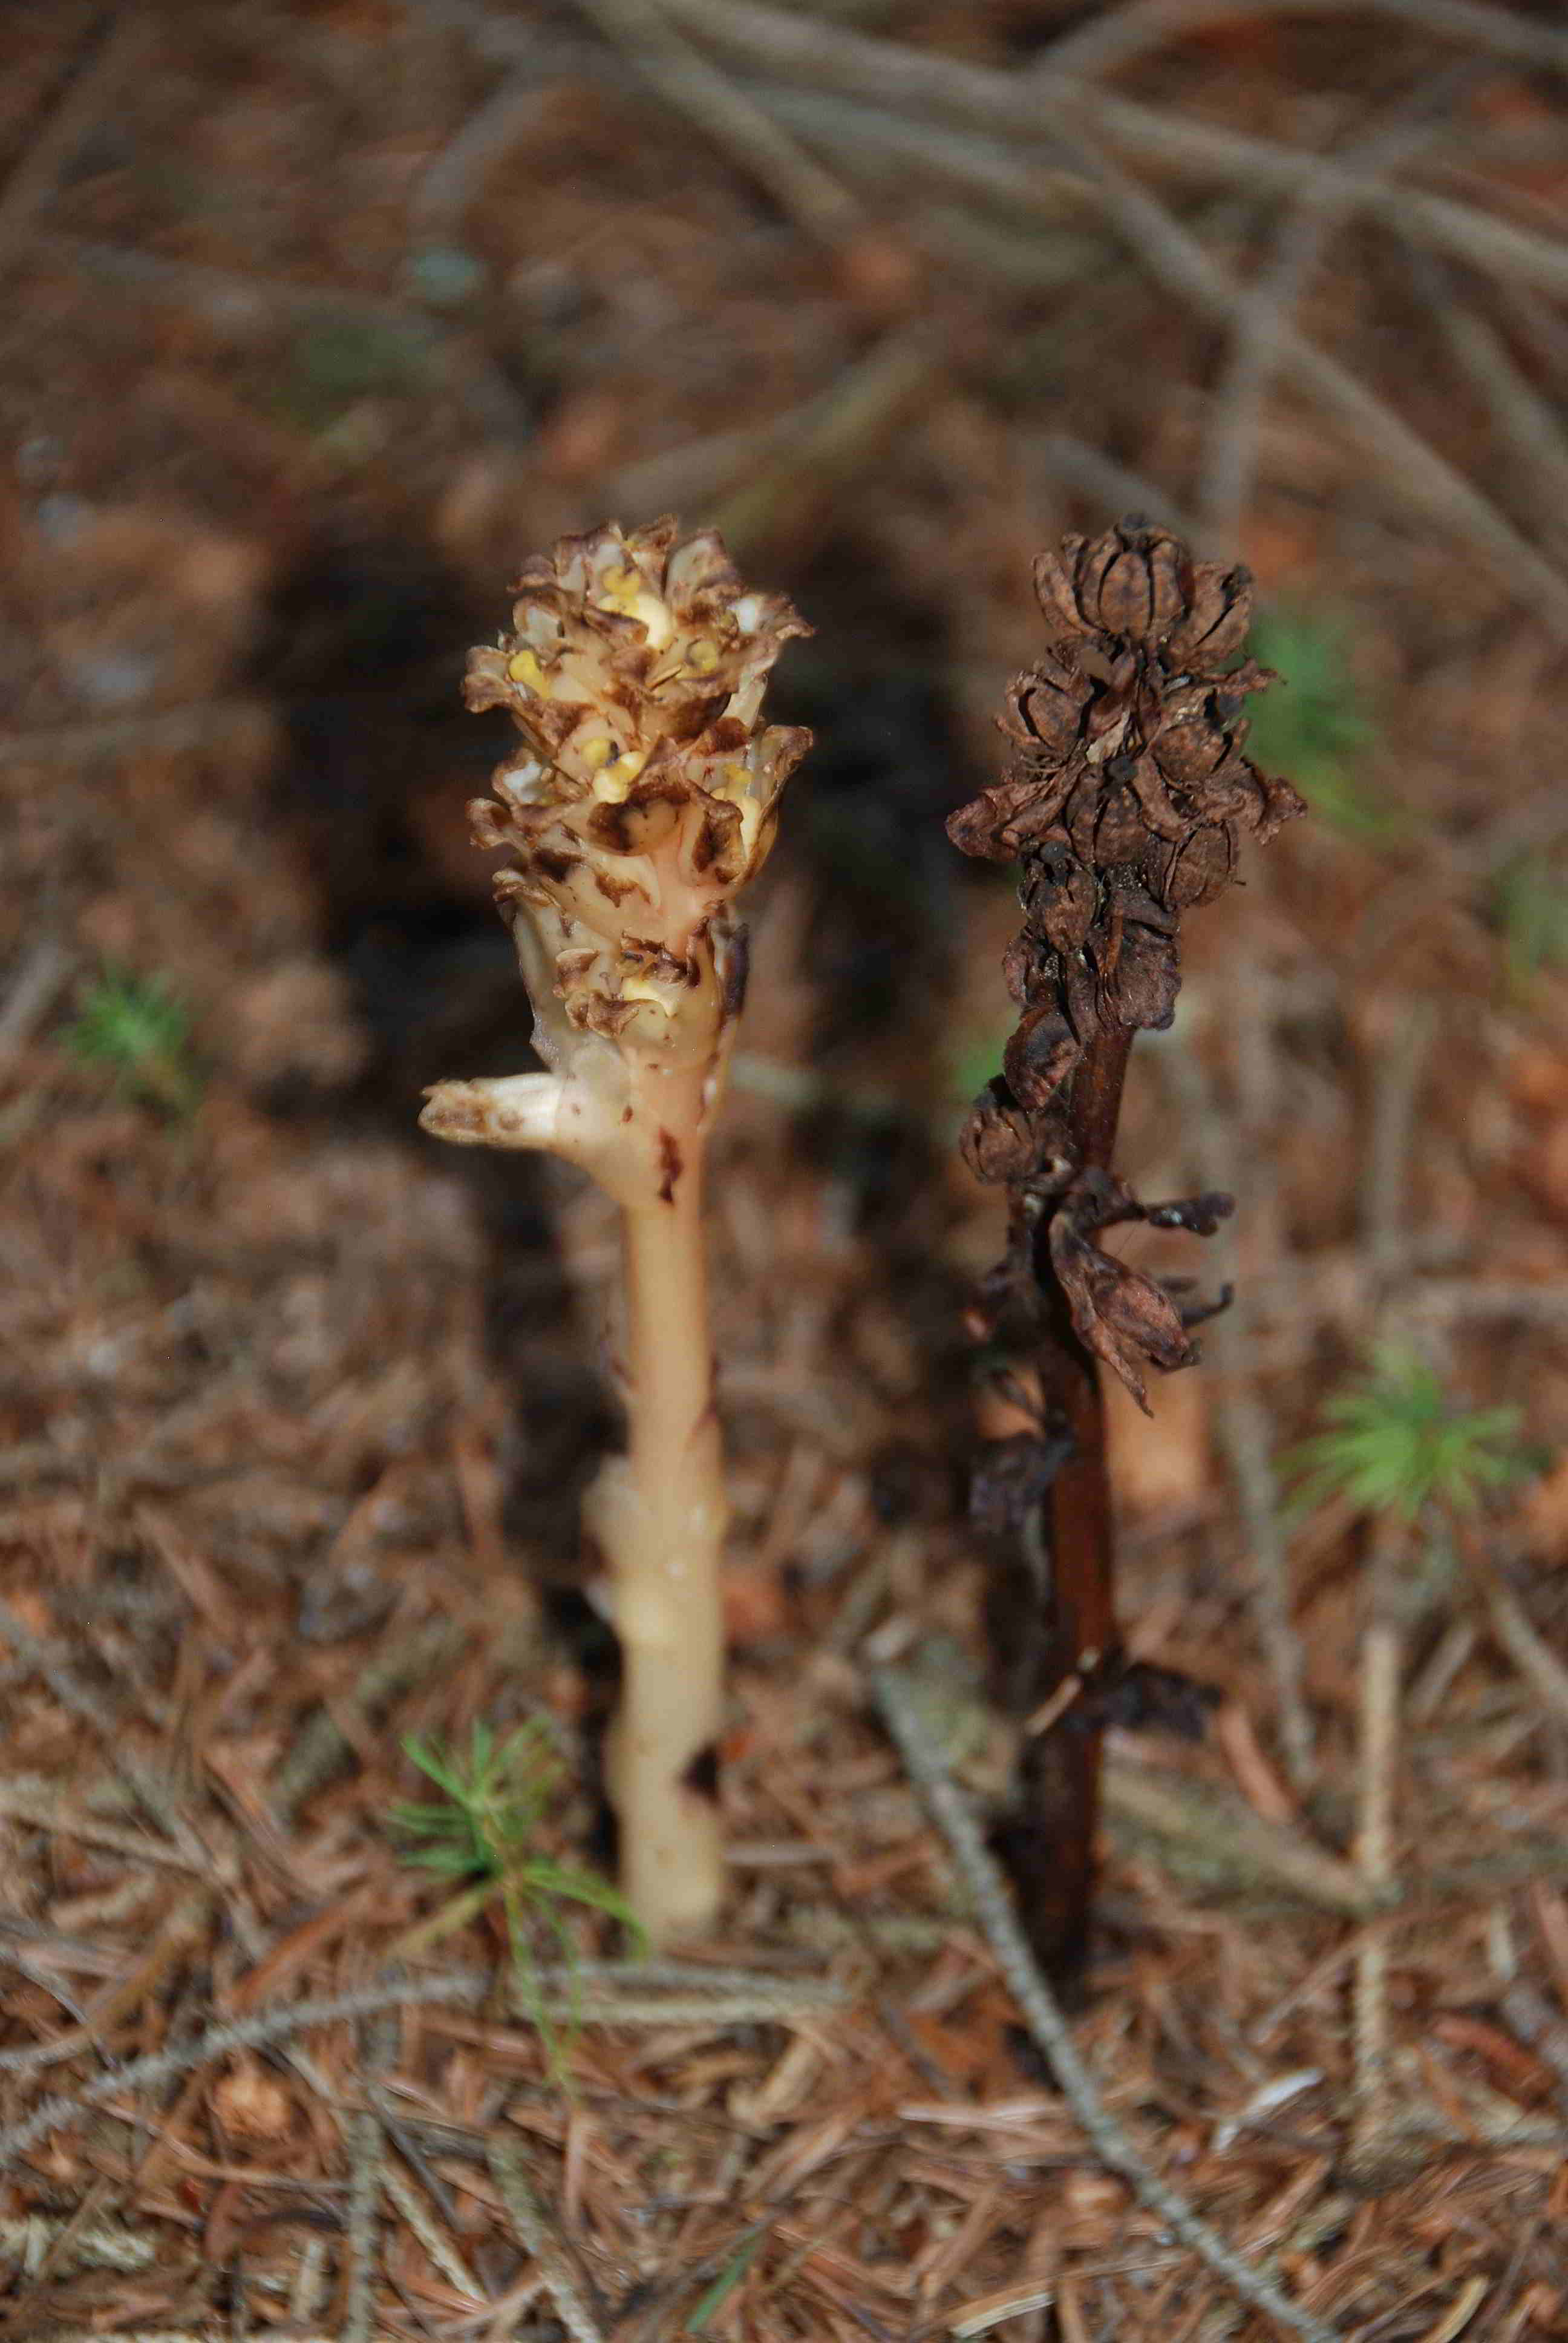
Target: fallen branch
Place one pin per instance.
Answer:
(533, 2234)
(1044, 2015)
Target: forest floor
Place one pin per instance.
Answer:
(319, 316)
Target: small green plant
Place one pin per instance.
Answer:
(138, 1028)
(1530, 908)
(483, 1831)
(1392, 1442)
(1316, 728)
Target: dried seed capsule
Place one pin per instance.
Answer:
(1133, 584)
(1211, 632)
(1045, 706)
(1002, 1141)
(1039, 1056)
(1200, 729)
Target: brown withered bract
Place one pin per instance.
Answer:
(1124, 803)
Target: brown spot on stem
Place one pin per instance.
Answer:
(610, 826)
(670, 1165)
(701, 1775)
(737, 968)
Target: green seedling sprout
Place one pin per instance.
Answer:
(482, 1835)
(1394, 1448)
(1315, 726)
(138, 1029)
(1392, 1443)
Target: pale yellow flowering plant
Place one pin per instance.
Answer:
(646, 795)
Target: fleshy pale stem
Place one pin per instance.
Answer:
(645, 797)
(659, 1516)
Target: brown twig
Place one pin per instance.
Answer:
(1006, 106)
(1314, 216)
(1116, 37)
(1383, 1643)
(1047, 2025)
(535, 2236)
(367, 2147)
(266, 2027)
(1175, 257)
(738, 126)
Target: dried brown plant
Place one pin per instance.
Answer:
(1125, 804)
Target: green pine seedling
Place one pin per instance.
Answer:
(1392, 1443)
(138, 1029)
(482, 1832)
(1317, 727)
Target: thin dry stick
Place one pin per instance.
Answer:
(1006, 106)
(534, 2232)
(85, 1705)
(1401, 1071)
(1176, 259)
(1497, 246)
(1217, 1835)
(736, 124)
(1530, 424)
(1402, 1062)
(838, 435)
(434, 2240)
(1323, 208)
(104, 2245)
(1240, 1419)
(322, 1746)
(1377, 1762)
(1111, 39)
(1100, 477)
(506, 118)
(1180, 263)
(366, 2146)
(1048, 2026)
(32, 994)
(267, 2026)
(307, 2291)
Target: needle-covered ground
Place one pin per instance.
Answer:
(319, 319)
